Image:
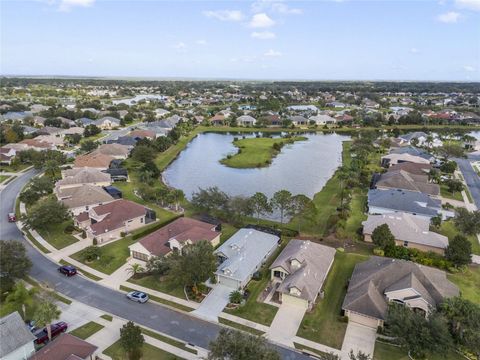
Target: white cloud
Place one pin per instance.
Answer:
(180, 46)
(449, 17)
(414, 50)
(272, 53)
(67, 5)
(285, 9)
(468, 4)
(275, 5)
(201, 42)
(225, 15)
(261, 20)
(263, 35)
(468, 68)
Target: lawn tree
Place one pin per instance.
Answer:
(37, 188)
(235, 345)
(282, 201)
(135, 269)
(143, 153)
(467, 222)
(176, 196)
(91, 253)
(132, 340)
(45, 314)
(91, 130)
(46, 212)
(448, 167)
(260, 204)
(157, 265)
(359, 356)
(192, 265)
(88, 145)
(240, 206)
(459, 251)
(20, 295)
(454, 185)
(235, 297)
(452, 150)
(210, 200)
(303, 206)
(382, 237)
(14, 263)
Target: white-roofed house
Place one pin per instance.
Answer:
(246, 120)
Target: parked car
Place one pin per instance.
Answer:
(57, 329)
(31, 325)
(67, 270)
(138, 296)
(12, 217)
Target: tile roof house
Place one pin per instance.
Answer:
(246, 120)
(298, 120)
(93, 160)
(174, 236)
(108, 221)
(117, 151)
(409, 230)
(300, 271)
(37, 145)
(81, 198)
(217, 119)
(107, 123)
(400, 179)
(378, 281)
(322, 119)
(242, 255)
(83, 176)
(398, 200)
(66, 347)
(412, 168)
(16, 340)
(143, 134)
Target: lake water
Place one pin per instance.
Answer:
(302, 168)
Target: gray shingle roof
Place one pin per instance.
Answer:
(400, 179)
(13, 333)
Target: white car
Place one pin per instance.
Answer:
(138, 296)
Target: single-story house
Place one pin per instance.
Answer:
(66, 347)
(298, 120)
(17, 340)
(7, 154)
(379, 280)
(414, 151)
(117, 151)
(84, 121)
(400, 179)
(246, 120)
(394, 159)
(322, 120)
(149, 134)
(412, 168)
(93, 160)
(81, 198)
(173, 237)
(109, 221)
(217, 119)
(409, 230)
(300, 271)
(83, 176)
(107, 123)
(242, 255)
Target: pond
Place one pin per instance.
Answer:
(301, 168)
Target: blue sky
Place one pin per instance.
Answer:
(349, 39)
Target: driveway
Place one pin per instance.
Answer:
(214, 303)
(359, 338)
(286, 323)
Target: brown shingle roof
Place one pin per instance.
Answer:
(93, 160)
(143, 133)
(412, 168)
(63, 347)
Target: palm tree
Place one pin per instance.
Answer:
(134, 269)
(177, 196)
(45, 314)
(21, 295)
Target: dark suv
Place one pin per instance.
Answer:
(57, 329)
(68, 270)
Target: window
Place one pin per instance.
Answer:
(141, 220)
(277, 274)
(405, 243)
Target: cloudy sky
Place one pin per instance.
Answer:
(269, 39)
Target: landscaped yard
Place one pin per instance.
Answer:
(3, 178)
(449, 229)
(324, 323)
(13, 168)
(227, 231)
(468, 282)
(87, 330)
(357, 215)
(56, 236)
(153, 282)
(256, 152)
(389, 352)
(150, 352)
(447, 194)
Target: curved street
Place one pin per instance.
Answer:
(157, 317)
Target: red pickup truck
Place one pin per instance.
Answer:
(57, 329)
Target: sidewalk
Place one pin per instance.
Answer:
(57, 255)
(120, 276)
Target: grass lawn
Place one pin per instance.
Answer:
(468, 283)
(448, 195)
(160, 300)
(256, 152)
(56, 236)
(107, 317)
(389, 352)
(3, 178)
(85, 273)
(13, 168)
(116, 352)
(357, 215)
(35, 242)
(323, 324)
(241, 327)
(87, 330)
(449, 229)
(227, 231)
(154, 283)
(165, 339)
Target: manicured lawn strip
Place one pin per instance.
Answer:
(92, 138)
(357, 214)
(385, 351)
(468, 283)
(13, 168)
(309, 349)
(3, 178)
(86, 273)
(17, 208)
(54, 294)
(59, 297)
(323, 324)
(165, 339)
(241, 327)
(227, 231)
(35, 242)
(449, 229)
(87, 330)
(256, 152)
(448, 195)
(469, 196)
(161, 301)
(107, 317)
(153, 282)
(56, 236)
(116, 352)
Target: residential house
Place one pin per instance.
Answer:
(159, 113)
(336, 104)
(107, 123)
(66, 122)
(412, 168)
(38, 145)
(84, 121)
(414, 151)
(81, 198)
(246, 120)
(303, 108)
(49, 130)
(400, 179)
(66, 347)
(242, 255)
(127, 140)
(321, 120)
(16, 340)
(15, 115)
(393, 159)
(422, 139)
(110, 221)
(116, 151)
(149, 134)
(298, 120)
(300, 271)
(173, 237)
(39, 121)
(409, 231)
(93, 160)
(7, 154)
(378, 281)
(412, 202)
(83, 176)
(217, 119)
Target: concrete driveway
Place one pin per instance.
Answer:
(286, 323)
(359, 338)
(214, 303)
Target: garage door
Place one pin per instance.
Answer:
(292, 300)
(363, 320)
(228, 282)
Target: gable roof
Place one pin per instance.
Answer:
(403, 200)
(83, 196)
(412, 168)
(65, 347)
(112, 150)
(14, 333)
(400, 179)
(83, 176)
(93, 160)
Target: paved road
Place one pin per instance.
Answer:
(157, 317)
(471, 178)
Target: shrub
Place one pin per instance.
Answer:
(69, 229)
(235, 297)
(84, 235)
(378, 252)
(91, 253)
